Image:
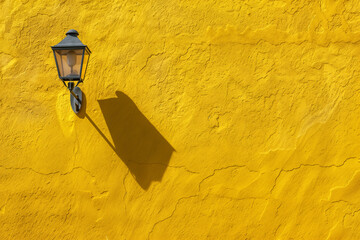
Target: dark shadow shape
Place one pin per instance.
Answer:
(136, 141)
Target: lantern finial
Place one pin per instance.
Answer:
(72, 32)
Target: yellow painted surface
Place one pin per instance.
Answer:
(203, 120)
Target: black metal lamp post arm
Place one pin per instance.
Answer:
(76, 103)
(75, 96)
(71, 87)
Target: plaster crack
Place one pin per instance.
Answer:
(50, 173)
(318, 165)
(148, 58)
(275, 182)
(309, 165)
(220, 169)
(186, 52)
(67, 213)
(162, 220)
(170, 166)
(185, 168)
(349, 214)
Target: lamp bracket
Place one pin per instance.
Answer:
(76, 99)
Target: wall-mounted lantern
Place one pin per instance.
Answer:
(71, 57)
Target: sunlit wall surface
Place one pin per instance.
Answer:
(202, 120)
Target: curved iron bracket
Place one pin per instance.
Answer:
(76, 99)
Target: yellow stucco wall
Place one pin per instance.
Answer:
(203, 120)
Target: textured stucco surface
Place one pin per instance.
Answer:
(203, 120)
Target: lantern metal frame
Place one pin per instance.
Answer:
(72, 42)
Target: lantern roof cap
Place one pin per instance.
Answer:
(70, 41)
(72, 32)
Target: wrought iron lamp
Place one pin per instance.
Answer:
(71, 57)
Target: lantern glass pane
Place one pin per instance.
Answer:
(85, 62)
(59, 63)
(69, 63)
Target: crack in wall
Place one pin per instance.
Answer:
(50, 173)
(310, 165)
(220, 169)
(162, 220)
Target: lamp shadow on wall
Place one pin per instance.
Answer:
(136, 141)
